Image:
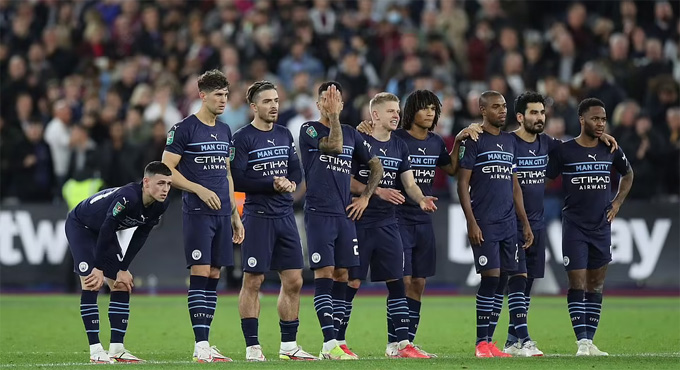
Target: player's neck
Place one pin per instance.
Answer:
(488, 127)
(418, 132)
(206, 117)
(381, 134)
(147, 199)
(262, 125)
(525, 135)
(586, 141)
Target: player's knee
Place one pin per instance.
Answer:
(292, 285)
(417, 285)
(340, 274)
(252, 282)
(201, 270)
(354, 283)
(215, 272)
(324, 273)
(595, 285)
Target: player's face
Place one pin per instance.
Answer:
(593, 122)
(215, 101)
(321, 100)
(387, 115)
(533, 118)
(158, 186)
(424, 118)
(495, 110)
(266, 106)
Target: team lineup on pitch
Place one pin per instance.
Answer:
(368, 199)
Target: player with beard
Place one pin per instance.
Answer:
(266, 167)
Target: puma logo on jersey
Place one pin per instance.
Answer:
(125, 201)
(143, 218)
(533, 152)
(271, 141)
(383, 151)
(214, 136)
(592, 156)
(500, 146)
(422, 150)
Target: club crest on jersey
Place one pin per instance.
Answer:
(171, 138)
(118, 208)
(461, 152)
(311, 131)
(232, 153)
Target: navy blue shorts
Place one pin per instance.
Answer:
(331, 241)
(503, 254)
(207, 240)
(271, 244)
(585, 249)
(535, 254)
(82, 243)
(420, 250)
(380, 249)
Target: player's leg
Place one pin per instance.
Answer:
(81, 243)
(488, 264)
(575, 257)
(286, 257)
(249, 310)
(355, 274)
(119, 315)
(498, 296)
(599, 256)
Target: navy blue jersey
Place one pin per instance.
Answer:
(205, 151)
(259, 157)
(532, 162)
(492, 161)
(586, 181)
(393, 155)
(425, 156)
(328, 176)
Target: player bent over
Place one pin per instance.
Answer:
(266, 167)
(91, 232)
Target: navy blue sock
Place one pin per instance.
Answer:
(349, 297)
(577, 312)
(497, 304)
(338, 293)
(397, 307)
(289, 330)
(90, 315)
(512, 334)
(517, 308)
(527, 292)
(210, 302)
(249, 327)
(391, 334)
(198, 308)
(414, 317)
(323, 304)
(485, 306)
(119, 313)
(593, 303)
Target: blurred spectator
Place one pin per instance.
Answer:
(119, 160)
(32, 179)
(672, 168)
(298, 60)
(623, 118)
(162, 107)
(84, 161)
(153, 150)
(58, 137)
(564, 107)
(644, 149)
(596, 85)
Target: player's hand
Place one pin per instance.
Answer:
(610, 141)
(95, 279)
(366, 127)
(471, 132)
(283, 185)
(332, 101)
(475, 234)
(427, 204)
(357, 208)
(124, 278)
(393, 196)
(209, 197)
(613, 211)
(238, 231)
(528, 236)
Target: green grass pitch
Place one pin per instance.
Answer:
(47, 332)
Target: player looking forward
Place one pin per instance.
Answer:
(91, 232)
(198, 153)
(267, 168)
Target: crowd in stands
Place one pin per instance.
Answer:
(90, 88)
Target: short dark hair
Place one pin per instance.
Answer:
(157, 168)
(417, 100)
(487, 94)
(585, 104)
(324, 86)
(525, 98)
(212, 80)
(258, 87)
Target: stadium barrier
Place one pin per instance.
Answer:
(34, 250)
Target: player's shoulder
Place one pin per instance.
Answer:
(398, 141)
(132, 192)
(223, 126)
(245, 130)
(187, 122)
(281, 130)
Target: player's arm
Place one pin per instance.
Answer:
(518, 199)
(393, 196)
(471, 132)
(105, 239)
(622, 166)
(356, 209)
(294, 169)
(237, 227)
(180, 182)
(474, 232)
(415, 193)
(332, 105)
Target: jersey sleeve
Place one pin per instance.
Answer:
(294, 168)
(554, 163)
(177, 139)
(362, 149)
(552, 142)
(444, 158)
(467, 154)
(239, 147)
(515, 161)
(310, 136)
(405, 163)
(620, 162)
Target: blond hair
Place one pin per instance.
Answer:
(381, 98)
